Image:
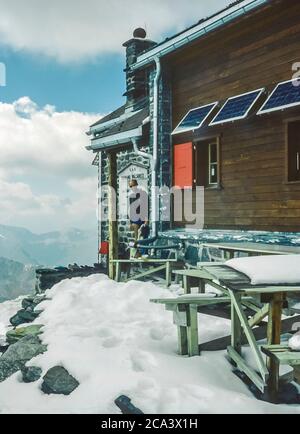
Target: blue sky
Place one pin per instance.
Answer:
(64, 64)
(93, 86)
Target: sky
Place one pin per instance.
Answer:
(64, 65)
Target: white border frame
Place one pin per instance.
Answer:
(213, 104)
(213, 123)
(263, 111)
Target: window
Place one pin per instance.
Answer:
(293, 151)
(207, 163)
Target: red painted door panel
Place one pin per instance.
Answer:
(183, 165)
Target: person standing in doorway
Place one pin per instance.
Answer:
(138, 211)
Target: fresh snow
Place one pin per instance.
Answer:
(109, 337)
(294, 342)
(281, 269)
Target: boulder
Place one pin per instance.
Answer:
(13, 336)
(24, 316)
(30, 303)
(58, 381)
(19, 354)
(31, 374)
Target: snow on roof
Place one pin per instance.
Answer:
(269, 270)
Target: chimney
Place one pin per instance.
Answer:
(136, 81)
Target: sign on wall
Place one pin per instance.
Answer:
(133, 171)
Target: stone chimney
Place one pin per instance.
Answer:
(136, 81)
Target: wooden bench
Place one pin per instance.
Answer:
(156, 265)
(274, 299)
(283, 355)
(185, 317)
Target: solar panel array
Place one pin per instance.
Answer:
(194, 118)
(285, 95)
(237, 107)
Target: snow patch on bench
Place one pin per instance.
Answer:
(269, 270)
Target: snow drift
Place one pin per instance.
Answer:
(113, 341)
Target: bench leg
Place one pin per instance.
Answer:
(192, 330)
(182, 341)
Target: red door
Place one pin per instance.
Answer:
(183, 165)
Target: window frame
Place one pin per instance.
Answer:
(211, 139)
(287, 122)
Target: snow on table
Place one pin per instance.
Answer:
(268, 270)
(114, 341)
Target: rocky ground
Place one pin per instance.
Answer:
(23, 344)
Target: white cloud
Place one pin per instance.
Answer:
(46, 150)
(73, 30)
(33, 139)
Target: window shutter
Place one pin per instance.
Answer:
(183, 165)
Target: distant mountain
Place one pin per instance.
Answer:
(49, 249)
(15, 279)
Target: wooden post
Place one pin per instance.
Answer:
(112, 211)
(274, 338)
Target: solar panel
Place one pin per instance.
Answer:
(195, 118)
(285, 95)
(237, 107)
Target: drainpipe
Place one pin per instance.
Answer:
(154, 157)
(155, 145)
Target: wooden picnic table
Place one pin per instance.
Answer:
(274, 298)
(253, 249)
(157, 265)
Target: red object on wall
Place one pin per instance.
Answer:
(104, 248)
(183, 165)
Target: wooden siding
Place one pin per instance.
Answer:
(255, 52)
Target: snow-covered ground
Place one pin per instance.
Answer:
(109, 337)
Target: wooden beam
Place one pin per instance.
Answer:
(112, 211)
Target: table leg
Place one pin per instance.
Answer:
(274, 337)
(168, 274)
(201, 286)
(118, 272)
(236, 329)
(186, 285)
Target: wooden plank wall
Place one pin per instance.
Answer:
(255, 52)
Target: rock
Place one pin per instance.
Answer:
(15, 335)
(30, 303)
(19, 354)
(31, 374)
(58, 381)
(125, 405)
(24, 316)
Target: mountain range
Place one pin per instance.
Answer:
(21, 251)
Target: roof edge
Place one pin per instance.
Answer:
(214, 22)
